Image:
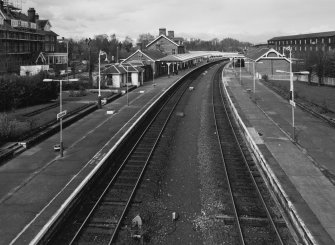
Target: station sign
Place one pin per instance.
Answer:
(61, 114)
(292, 103)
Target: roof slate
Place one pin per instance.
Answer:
(154, 54)
(256, 53)
(308, 35)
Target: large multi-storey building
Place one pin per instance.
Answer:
(22, 37)
(303, 43)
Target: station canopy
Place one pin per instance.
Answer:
(184, 57)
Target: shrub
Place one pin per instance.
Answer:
(18, 91)
(7, 127)
(265, 78)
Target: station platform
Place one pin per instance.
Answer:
(300, 171)
(36, 185)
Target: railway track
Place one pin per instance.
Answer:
(252, 217)
(100, 215)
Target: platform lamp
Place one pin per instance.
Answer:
(99, 95)
(61, 113)
(292, 85)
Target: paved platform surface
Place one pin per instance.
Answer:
(35, 184)
(304, 168)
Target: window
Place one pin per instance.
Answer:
(329, 40)
(173, 51)
(316, 48)
(300, 41)
(311, 48)
(14, 23)
(1, 21)
(316, 40)
(300, 48)
(323, 40)
(305, 41)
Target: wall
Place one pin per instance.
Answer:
(32, 70)
(164, 46)
(134, 79)
(269, 66)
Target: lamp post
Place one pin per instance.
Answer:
(126, 68)
(240, 72)
(292, 86)
(254, 74)
(99, 95)
(67, 56)
(153, 73)
(61, 113)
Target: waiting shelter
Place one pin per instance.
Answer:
(266, 61)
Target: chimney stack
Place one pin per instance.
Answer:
(162, 31)
(171, 34)
(37, 17)
(1, 4)
(31, 14)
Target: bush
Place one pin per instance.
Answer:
(7, 127)
(265, 78)
(18, 91)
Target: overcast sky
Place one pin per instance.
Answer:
(255, 21)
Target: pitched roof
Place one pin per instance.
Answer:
(151, 55)
(254, 54)
(121, 69)
(163, 36)
(42, 23)
(308, 35)
(262, 53)
(114, 69)
(154, 54)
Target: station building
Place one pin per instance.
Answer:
(167, 44)
(23, 38)
(302, 43)
(120, 75)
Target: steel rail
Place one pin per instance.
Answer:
(116, 175)
(249, 170)
(241, 237)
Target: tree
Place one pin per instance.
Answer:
(127, 44)
(145, 39)
(320, 62)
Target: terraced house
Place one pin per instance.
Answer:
(23, 38)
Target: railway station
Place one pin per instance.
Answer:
(52, 185)
(172, 145)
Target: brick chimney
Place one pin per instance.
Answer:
(162, 31)
(31, 14)
(171, 34)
